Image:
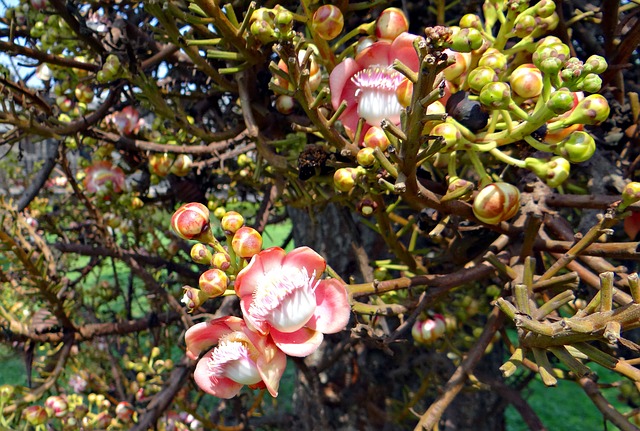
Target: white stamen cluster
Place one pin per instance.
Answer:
(376, 94)
(276, 287)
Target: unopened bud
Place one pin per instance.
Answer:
(391, 23)
(592, 110)
(213, 282)
(327, 22)
(182, 165)
(376, 137)
(494, 59)
(191, 220)
(496, 202)
(630, 194)
(496, 95)
(450, 133)
(246, 242)
(526, 81)
(577, 148)
(221, 261)
(193, 298)
(200, 254)
(345, 179)
(481, 76)
(466, 40)
(553, 172)
(428, 330)
(231, 222)
(366, 157)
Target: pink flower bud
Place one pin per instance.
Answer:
(449, 132)
(35, 415)
(246, 242)
(526, 81)
(327, 22)
(231, 222)
(213, 282)
(190, 220)
(458, 68)
(56, 406)
(391, 23)
(429, 330)
(496, 202)
(494, 59)
(375, 137)
(404, 92)
(124, 411)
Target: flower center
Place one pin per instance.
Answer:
(376, 94)
(232, 359)
(287, 300)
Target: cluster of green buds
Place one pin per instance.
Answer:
(111, 70)
(192, 222)
(503, 83)
(269, 25)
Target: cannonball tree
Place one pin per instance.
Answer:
(361, 215)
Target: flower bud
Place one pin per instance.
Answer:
(190, 221)
(630, 194)
(459, 67)
(435, 108)
(391, 23)
(285, 104)
(458, 189)
(35, 415)
(595, 64)
(213, 282)
(481, 76)
(495, 95)
(221, 261)
(577, 148)
(591, 83)
(526, 81)
(344, 179)
(219, 212)
(327, 22)
(124, 411)
(200, 254)
(263, 31)
(404, 92)
(450, 133)
(160, 164)
(182, 165)
(551, 58)
(193, 298)
(494, 59)
(470, 21)
(561, 101)
(466, 40)
(56, 406)
(366, 207)
(376, 137)
(84, 93)
(366, 157)
(102, 420)
(496, 202)
(553, 172)
(592, 110)
(231, 222)
(246, 242)
(524, 25)
(428, 330)
(545, 8)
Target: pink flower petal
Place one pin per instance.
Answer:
(333, 310)
(350, 119)
(376, 54)
(253, 274)
(205, 335)
(341, 76)
(402, 49)
(271, 370)
(304, 257)
(300, 343)
(221, 387)
(260, 326)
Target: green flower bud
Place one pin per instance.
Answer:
(6, 393)
(263, 31)
(35, 415)
(591, 83)
(496, 202)
(466, 40)
(345, 179)
(450, 133)
(560, 101)
(494, 59)
(524, 25)
(553, 172)
(481, 76)
(572, 71)
(231, 222)
(193, 298)
(551, 58)
(591, 110)
(577, 148)
(496, 95)
(630, 194)
(595, 64)
(471, 21)
(545, 8)
(284, 18)
(458, 189)
(366, 157)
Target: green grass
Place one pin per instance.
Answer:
(13, 371)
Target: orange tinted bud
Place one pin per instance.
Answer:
(213, 282)
(182, 165)
(375, 137)
(391, 23)
(496, 202)
(459, 67)
(526, 81)
(404, 93)
(35, 415)
(246, 242)
(344, 179)
(200, 254)
(160, 164)
(327, 22)
(366, 157)
(231, 222)
(190, 220)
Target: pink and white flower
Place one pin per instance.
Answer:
(102, 175)
(282, 295)
(368, 83)
(240, 357)
(127, 121)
